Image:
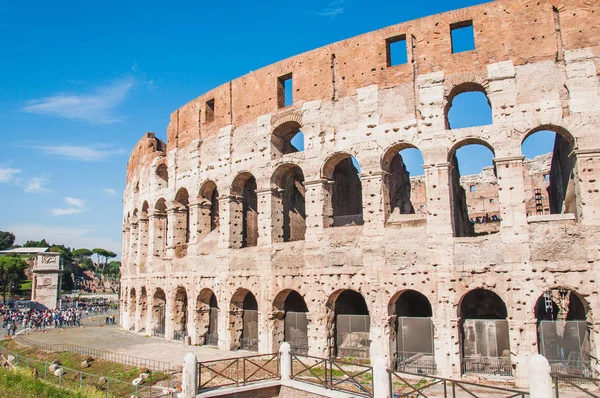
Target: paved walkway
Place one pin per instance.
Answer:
(113, 338)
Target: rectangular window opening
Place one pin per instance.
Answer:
(397, 53)
(463, 36)
(210, 110)
(472, 188)
(285, 94)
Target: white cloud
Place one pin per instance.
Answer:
(97, 106)
(86, 153)
(34, 185)
(71, 237)
(7, 174)
(75, 206)
(332, 10)
(110, 191)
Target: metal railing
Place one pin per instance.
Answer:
(574, 382)
(249, 344)
(404, 384)
(332, 374)
(237, 371)
(179, 335)
(499, 366)
(298, 348)
(353, 219)
(414, 362)
(158, 332)
(78, 380)
(123, 359)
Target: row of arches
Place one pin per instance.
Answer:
(482, 318)
(472, 202)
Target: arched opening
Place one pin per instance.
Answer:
(181, 215)
(143, 310)
(244, 186)
(290, 320)
(474, 189)
(412, 341)
(349, 324)
(345, 191)
(548, 172)
(159, 301)
(468, 106)
(209, 208)
(180, 314)
(244, 321)
(162, 176)
(144, 230)
(132, 308)
(404, 182)
(484, 333)
(207, 318)
(159, 224)
(134, 238)
(286, 138)
(563, 332)
(289, 201)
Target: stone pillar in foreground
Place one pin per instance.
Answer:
(285, 364)
(381, 378)
(540, 381)
(189, 377)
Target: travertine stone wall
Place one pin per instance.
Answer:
(538, 62)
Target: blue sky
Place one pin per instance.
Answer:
(82, 81)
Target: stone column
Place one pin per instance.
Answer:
(177, 230)
(540, 381)
(143, 243)
(223, 330)
(127, 249)
(439, 200)
(319, 211)
(133, 245)
(266, 201)
(200, 220)
(586, 164)
(317, 335)
(380, 340)
(230, 214)
(373, 198)
(157, 234)
(523, 343)
(511, 195)
(189, 377)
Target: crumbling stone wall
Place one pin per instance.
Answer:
(537, 62)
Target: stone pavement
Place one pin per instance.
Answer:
(113, 338)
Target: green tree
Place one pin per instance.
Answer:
(34, 243)
(113, 269)
(65, 255)
(7, 239)
(87, 264)
(81, 254)
(12, 272)
(67, 281)
(103, 256)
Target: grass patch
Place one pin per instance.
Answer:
(19, 383)
(90, 377)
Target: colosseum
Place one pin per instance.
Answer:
(280, 207)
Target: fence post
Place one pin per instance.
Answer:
(540, 381)
(381, 378)
(189, 377)
(45, 370)
(285, 361)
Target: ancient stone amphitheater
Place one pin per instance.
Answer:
(239, 235)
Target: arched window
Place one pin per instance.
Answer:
(548, 172)
(132, 309)
(468, 106)
(143, 310)
(563, 332)
(286, 138)
(207, 318)
(160, 226)
(404, 182)
(208, 219)
(244, 321)
(289, 200)
(162, 176)
(474, 189)
(180, 314)
(144, 232)
(484, 333)
(346, 190)
(412, 343)
(351, 324)
(159, 302)
(244, 187)
(291, 321)
(182, 218)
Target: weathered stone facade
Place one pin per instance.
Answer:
(226, 207)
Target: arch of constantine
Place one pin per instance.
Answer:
(238, 236)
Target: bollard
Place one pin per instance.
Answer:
(189, 378)
(285, 361)
(381, 378)
(540, 381)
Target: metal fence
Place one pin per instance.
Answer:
(79, 380)
(158, 332)
(353, 219)
(566, 345)
(352, 336)
(404, 384)
(249, 339)
(330, 373)
(576, 383)
(237, 371)
(123, 359)
(179, 335)
(414, 345)
(499, 366)
(486, 347)
(296, 331)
